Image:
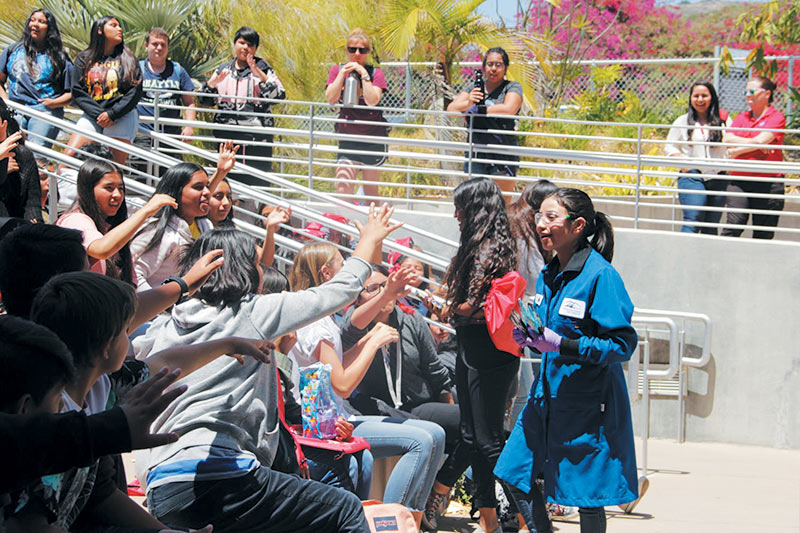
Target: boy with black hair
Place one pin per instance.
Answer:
(32, 254)
(92, 313)
(246, 75)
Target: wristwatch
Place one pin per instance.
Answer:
(183, 285)
(366, 78)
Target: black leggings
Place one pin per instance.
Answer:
(483, 377)
(745, 202)
(448, 416)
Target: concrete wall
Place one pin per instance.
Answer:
(750, 392)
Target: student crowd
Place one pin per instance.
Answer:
(170, 332)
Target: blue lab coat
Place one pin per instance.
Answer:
(576, 427)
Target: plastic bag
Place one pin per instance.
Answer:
(318, 402)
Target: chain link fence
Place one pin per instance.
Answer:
(661, 84)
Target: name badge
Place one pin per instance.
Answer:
(537, 300)
(572, 308)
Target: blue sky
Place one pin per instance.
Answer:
(507, 8)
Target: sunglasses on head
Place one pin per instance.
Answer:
(354, 49)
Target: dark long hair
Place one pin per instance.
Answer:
(236, 278)
(53, 46)
(486, 250)
(521, 214)
(713, 112)
(172, 183)
(91, 172)
(598, 232)
(96, 52)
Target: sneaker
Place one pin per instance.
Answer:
(644, 484)
(556, 511)
(433, 508)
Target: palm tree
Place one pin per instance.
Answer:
(196, 40)
(442, 30)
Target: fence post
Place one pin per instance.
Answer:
(638, 176)
(717, 59)
(408, 90)
(311, 147)
(469, 153)
(789, 86)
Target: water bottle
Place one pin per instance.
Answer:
(479, 85)
(351, 89)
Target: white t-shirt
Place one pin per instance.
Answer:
(302, 354)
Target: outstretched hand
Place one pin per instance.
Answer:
(398, 281)
(378, 225)
(145, 402)
(227, 157)
(202, 269)
(261, 350)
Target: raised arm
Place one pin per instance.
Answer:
(346, 377)
(395, 289)
(193, 356)
(116, 238)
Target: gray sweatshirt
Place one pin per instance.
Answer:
(229, 413)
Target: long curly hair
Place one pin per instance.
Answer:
(53, 46)
(487, 249)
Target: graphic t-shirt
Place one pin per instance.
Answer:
(173, 78)
(28, 87)
(100, 87)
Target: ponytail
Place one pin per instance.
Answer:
(598, 232)
(601, 238)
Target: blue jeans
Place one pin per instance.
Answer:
(689, 200)
(39, 130)
(351, 472)
(261, 500)
(421, 445)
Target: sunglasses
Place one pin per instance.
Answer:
(752, 92)
(354, 49)
(373, 288)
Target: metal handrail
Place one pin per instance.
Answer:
(705, 356)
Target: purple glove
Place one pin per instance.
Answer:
(548, 341)
(521, 338)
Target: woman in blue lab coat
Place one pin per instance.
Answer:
(576, 428)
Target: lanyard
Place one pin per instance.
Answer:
(394, 393)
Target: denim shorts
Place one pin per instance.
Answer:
(123, 128)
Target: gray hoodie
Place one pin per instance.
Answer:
(230, 410)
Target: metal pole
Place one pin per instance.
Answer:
(645, 400)
(311, 148)
(52, 200)
(408, 90)
(682, 388)
(638, 176)
(717, 57)
(155, 168)
(469, 154)
(790, 85)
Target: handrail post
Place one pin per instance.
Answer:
(638, 176)
(790, 72)
(52, 200)
(311, 147)
(155, 168)
(717, 59)
(469, 153)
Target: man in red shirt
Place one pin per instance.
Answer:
(758, 94)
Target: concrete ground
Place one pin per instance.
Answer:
(696, 487)
(702, 487)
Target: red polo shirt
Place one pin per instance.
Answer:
(770, 119)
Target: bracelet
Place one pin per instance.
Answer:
(366, 78)
(180, 281)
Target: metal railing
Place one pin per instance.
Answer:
(621, 166)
